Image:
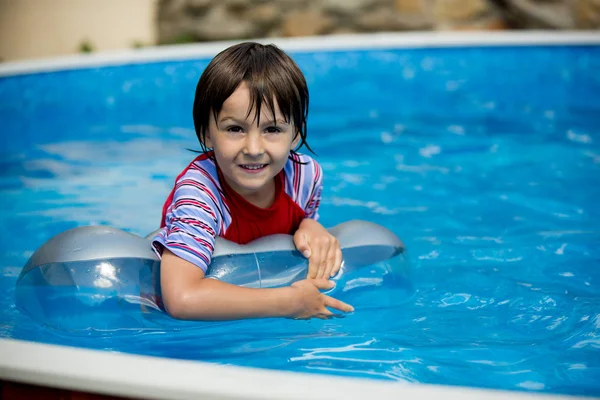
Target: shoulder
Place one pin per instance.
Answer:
(197, 190)
(202, 168)
(200, 174)
(302, 166)
(303, 177)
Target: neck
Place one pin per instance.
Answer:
(262, 198)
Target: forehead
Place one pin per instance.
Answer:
(239, 104)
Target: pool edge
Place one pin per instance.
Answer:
(380, 40)
(157, 378)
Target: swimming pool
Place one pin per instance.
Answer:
(484, 160)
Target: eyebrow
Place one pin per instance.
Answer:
(264, 121)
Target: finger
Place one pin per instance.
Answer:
(313, 263)
(338, 262)
(330, 261)
(337, 304)
(323, 284)
(302, 244)
(325, 314)
(323, 253)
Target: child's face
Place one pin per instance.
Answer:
(250, 156)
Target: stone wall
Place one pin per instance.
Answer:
(204, 20)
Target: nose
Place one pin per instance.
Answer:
(254, 145)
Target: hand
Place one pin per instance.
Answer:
(320, 247)
(309, 302)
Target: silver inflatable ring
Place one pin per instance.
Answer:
(104, 279)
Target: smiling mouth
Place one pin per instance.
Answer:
(253, 167)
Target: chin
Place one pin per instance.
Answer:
(246, 183)
(252, 187)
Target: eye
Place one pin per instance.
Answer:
(235, 129)
(273, 129)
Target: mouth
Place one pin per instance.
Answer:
(253, 168)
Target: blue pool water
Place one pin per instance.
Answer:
(485, 161)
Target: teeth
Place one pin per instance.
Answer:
(253, 166)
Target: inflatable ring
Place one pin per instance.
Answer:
(104, 279)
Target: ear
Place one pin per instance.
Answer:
(212, 125)
(207, 140)
(296, 140)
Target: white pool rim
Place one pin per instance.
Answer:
(147, 377)
(162, 378)
(308, 44)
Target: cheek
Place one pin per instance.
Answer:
(281, 144)
(281, 151)
(223, 152)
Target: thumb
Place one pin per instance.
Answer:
(301, 242)
(322, 284)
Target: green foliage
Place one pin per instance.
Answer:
(182, 38)
(85, 46)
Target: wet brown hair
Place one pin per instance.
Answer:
(269, 73)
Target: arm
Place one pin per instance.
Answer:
(187, 295)
(314, 241)
(185, 246)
